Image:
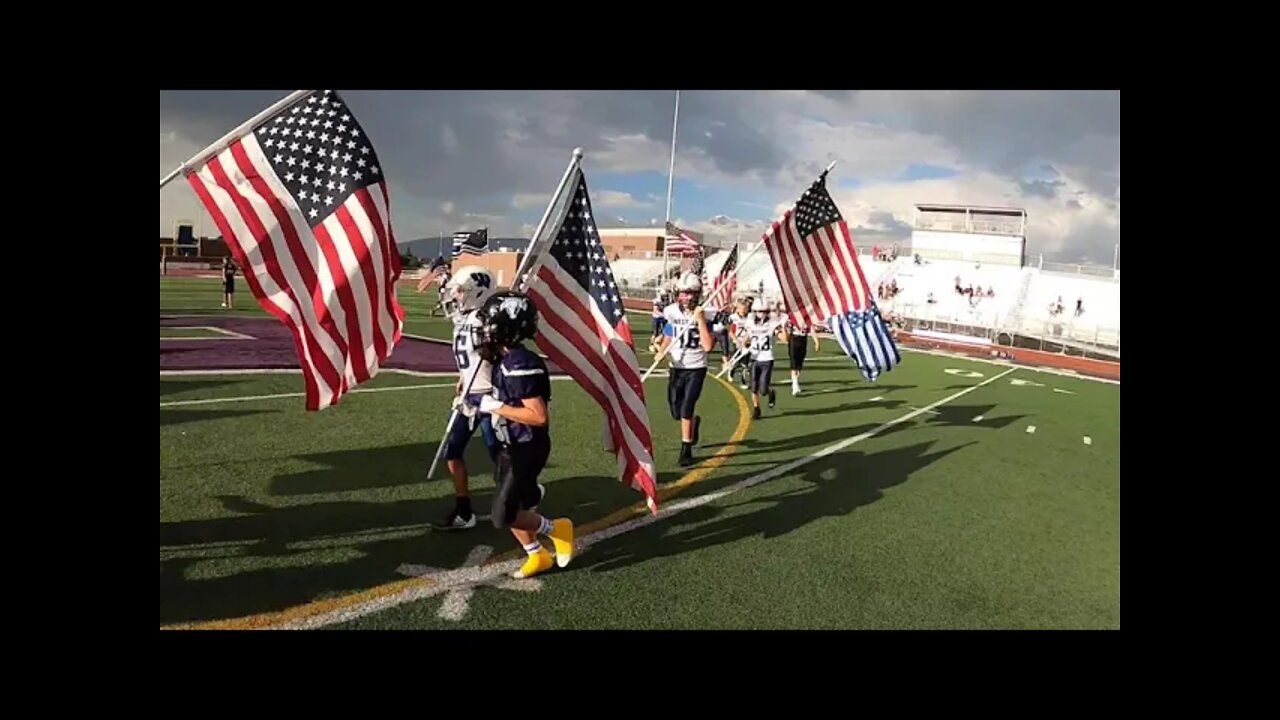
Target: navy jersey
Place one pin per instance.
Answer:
(521, 374)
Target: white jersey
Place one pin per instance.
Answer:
(467, 358)
(686, 344)
(760, 337)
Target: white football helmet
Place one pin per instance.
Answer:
(689, 290)
(469, 288)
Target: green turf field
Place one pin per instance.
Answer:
(920, 501)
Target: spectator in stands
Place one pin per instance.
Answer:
(228, 282)
(959, 289)
(991, 292)
(1079, 307)
(875, 252)
(931, 299)
(919, 260)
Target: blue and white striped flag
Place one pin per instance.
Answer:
(865, 337)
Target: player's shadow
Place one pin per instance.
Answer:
(268, 555)
(853, 404)
(834, 486)
(782, 449)
(378, 467)
(756, 446)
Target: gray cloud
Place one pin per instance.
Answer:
(1040, 188)
(499, 154)
(882, 226)
(1006, 130)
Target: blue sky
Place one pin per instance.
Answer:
(464, 159)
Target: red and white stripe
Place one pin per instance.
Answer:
(334, 287)
(820, 275)
(585, 344)
(722, 298)
(682, 243)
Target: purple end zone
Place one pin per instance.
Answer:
(272, 348)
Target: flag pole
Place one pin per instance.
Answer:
(222, 143)
(671, 174)
(518, 284)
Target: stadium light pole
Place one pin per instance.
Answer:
(671, 172)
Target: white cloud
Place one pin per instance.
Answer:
(446, 207)
(524, 201)
(615, 198)
(1052, 225)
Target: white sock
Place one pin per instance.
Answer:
(533, 547)
(546, 526)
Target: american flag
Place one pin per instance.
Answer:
(471, 243)
(680, 242)
(303, 205)
(583, 328)
(726, 276)
(439, 268)
(822, 281)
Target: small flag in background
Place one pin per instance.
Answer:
(680, 242)
(822, 281)
(471, 243)
(302, 203)
(436, 273)
(725, 276)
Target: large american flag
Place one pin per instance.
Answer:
(822, 281)
(583, 328)
(302, 203)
